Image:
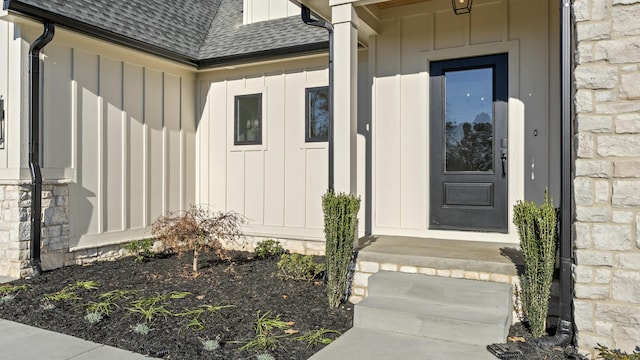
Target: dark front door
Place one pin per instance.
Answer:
(468, 144)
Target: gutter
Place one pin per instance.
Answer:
(566, 261)
(564, 331)
(34, 144)
(306, 18)
(265, 55)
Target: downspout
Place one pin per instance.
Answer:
(306, 17)
(566, 189)
(34, 144)
(564, 331)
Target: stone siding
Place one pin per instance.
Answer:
(15, 227)
(607, 174)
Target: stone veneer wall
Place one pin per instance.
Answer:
(607, 174)
(15, 227)
(15, 231)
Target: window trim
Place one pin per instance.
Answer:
(236, 122)
(307, 113)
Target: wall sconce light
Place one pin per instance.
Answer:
(1, 122)
(461, 6)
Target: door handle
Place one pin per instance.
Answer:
(503, 155)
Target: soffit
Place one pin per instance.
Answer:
(395, 3)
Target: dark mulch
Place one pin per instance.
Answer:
(250, 285)
(520, 341)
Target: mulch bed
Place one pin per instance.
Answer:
(250, 285)
(521, 342)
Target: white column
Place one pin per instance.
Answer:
(345, 96)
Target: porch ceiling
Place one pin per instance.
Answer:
(394, 3)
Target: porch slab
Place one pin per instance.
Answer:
(468, 256)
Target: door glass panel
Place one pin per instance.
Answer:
(469, 120)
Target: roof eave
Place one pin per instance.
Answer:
(86, 29)
(265, 55)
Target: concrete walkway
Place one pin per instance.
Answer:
(413, 317)
(20, 341)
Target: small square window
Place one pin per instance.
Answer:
(248, 119)
(317, 114)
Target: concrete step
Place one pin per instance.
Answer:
(478, 256)
(413, 316)
(462, 292)
(368, 344)
(473, 325)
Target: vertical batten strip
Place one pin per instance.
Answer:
(101, 204)
(74, 150)
(125, 150)
(183, 150)
(74, 120)
(165, 147)
(145, 140)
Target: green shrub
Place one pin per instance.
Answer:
(141, 329)
(537, 230)
(340, 226)
(265, 338)
(142, 249)
(265, 356)
(615, 354)
(210, 344)
(93, 317)
(269, 248)
(315, 338)
(299, 267)
(9, 292)
(7, 289)
(69, 292)
(5, 299)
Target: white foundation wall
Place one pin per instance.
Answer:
(412, 36)
(278, 186)
(118, 127)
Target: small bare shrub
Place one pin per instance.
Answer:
(199, 230)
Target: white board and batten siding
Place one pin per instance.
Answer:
(262, 10)
(13, 89)
(399, 57)
(121, 127)
(278, 185)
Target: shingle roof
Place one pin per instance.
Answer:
(197, 31)
(229, 38)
